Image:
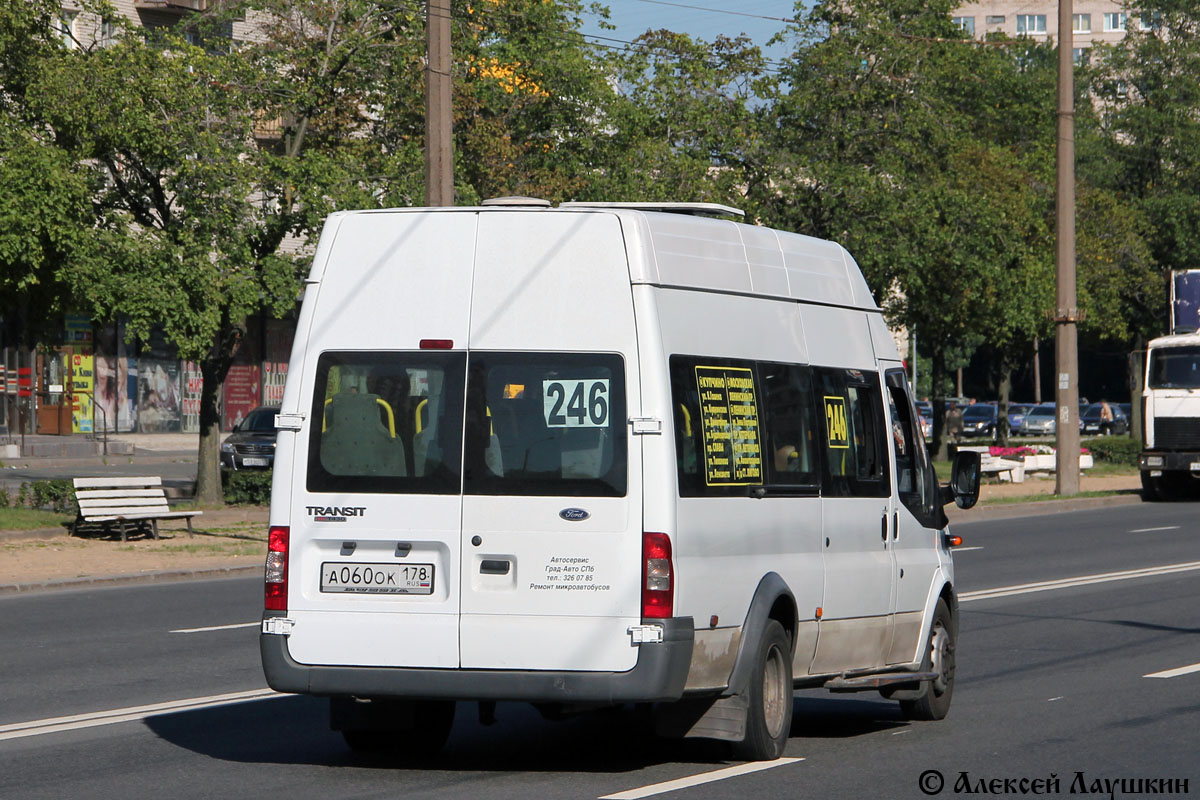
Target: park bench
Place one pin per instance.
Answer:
(140, 501)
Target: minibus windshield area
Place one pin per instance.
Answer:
(1175, 368)
(548, 424)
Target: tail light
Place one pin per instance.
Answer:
(658, 579)
(275, 587)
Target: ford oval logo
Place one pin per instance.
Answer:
(574, 514)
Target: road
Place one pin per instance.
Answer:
(1052, 686)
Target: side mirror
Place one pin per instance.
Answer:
(964, 480)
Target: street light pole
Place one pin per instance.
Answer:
(439, 154)
(1066, 315)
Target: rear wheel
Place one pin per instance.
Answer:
(769, 717)
(403, 728)
(939, 658)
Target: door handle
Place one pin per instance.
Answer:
(883, 526)
(895, 525)
(497, 567)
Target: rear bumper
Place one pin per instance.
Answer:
(660, 675)
(1171, 461)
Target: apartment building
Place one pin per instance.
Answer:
(86, 30)
(1094, 21)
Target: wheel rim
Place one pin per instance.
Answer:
(774, 709)
(941, 657)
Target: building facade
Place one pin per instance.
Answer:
(1094, 21)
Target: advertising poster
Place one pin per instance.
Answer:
(279, 335)
(158, 397)
(193, 383)
(241, 394)
(82, 386)
(243, 383)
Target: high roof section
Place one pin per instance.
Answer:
(697, 252)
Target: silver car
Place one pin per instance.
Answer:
(1039, 421)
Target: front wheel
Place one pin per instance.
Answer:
(769, 717)
(1150, 487)
(939, 658)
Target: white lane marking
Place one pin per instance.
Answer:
(1174, 673)
(218, 628)
(697, 780)
(965, 549)
(1083, 580)
(1152, 530)
(37, 727)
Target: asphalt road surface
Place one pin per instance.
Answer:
(1078, 667)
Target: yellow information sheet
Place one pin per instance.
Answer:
(729, 419)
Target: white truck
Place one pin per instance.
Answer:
(1170, 459)
(593, 455)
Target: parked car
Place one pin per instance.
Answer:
(1090, 423)
(1039, 421)
(1016, 413)
(252, 443)
(925, 412)
(980, 420)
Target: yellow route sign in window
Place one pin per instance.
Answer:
(835, 422)
(729, 422)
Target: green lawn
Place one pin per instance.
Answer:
(25, 519)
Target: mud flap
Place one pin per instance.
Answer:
(721, 718)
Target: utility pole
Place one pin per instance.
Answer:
(439, 153)
(1066, 313)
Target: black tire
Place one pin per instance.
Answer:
(939, 658)
(425, 737)
(769, 716)
(1151, 488)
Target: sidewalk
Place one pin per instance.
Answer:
(43, 448)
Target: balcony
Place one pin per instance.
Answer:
(177, 6)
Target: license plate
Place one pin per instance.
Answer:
(251, 461)
(341, 577)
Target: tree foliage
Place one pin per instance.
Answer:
(174, 179)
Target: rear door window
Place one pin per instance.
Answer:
(387, 422)
(545, 424)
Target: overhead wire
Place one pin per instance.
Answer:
(769, 66)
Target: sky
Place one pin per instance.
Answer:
(702, 19)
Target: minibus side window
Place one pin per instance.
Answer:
(743, 427)
(854, 449)
(791, 432)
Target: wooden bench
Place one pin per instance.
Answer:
(123, 500)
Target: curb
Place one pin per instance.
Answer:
(163, 576)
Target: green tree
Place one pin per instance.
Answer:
(1149, 153)
(682, 123)
(905, 141)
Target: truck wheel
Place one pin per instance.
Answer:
(424, 735)
(769, 717)
(1150, 488)
(939, 658)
